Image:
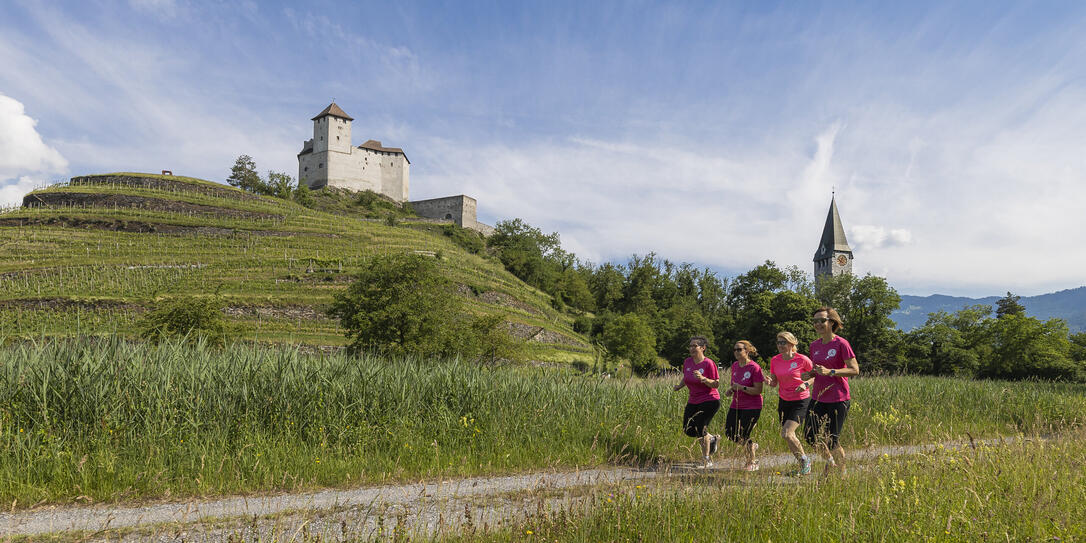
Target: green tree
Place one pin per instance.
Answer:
(1078, 347)
(629, 337)
(1008, 305)
(1025, 347)
(643, 282)
(762, 279)
(523, 250)
(939, 348)
(677, 325)
(243, 176)
(607, 283)
(573, 290)
(280, 185)
(187, 316)
(397, 303)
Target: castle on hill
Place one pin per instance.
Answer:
(329, 159)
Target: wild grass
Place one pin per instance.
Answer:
(1030, 490)
(108, 420)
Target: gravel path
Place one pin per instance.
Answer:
(366, 513)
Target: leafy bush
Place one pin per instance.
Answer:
(303, 196)
(486, 338)
(402, 304)
(188, 317)
(470, 240)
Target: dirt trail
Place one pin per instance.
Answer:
(419, 509)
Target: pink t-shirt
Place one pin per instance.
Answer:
(746, 376)
(832, 355)
(698, 392)
(787, 374)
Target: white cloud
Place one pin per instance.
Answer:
(12, 192)
(23, 154)
(864, 237)
(21, 147)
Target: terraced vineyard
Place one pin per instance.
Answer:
(91, 255)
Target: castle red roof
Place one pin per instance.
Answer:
(334, 111)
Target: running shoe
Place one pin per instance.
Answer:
(753, 466)
(713, 439)
(708, 463)
(803, 469)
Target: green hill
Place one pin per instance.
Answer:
(91, 255)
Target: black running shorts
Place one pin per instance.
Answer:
(740, 423)
(696, 417)
(795, 410)
(825, 421)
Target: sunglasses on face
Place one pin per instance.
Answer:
(738, 349)
(819, 320)
(782, 342)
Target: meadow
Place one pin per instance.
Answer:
(106, 420)
(1028, 490)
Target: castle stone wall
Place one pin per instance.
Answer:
(460, 210)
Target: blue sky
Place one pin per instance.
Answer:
(706, 132)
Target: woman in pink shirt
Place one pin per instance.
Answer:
(785, 373)
(701, 379)
(834, 363)
(746, 406)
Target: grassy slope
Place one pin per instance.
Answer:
(276, 262)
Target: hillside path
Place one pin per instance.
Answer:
(419, 509)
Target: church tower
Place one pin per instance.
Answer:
(834, 256)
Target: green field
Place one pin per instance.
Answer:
(113, 421)
(102, 252)
(1025, 491)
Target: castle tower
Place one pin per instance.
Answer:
(834, 256)
(332, 130)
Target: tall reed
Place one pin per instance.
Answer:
(107, 419)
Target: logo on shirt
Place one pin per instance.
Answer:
(831, 353)
(793, 365)
(746, 375)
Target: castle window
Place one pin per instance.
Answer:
(306, 169)
(448, 215)
(321, 165)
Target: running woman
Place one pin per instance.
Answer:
(786, 373)
(834, 363)
(746, 407)
(701, 379)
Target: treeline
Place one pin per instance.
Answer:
(244, 176)
(646, 310)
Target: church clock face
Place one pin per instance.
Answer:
(842, 260)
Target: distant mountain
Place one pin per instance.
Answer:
(1069, 305)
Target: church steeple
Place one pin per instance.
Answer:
(833, 256)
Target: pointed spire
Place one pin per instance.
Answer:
(833, 235)
(334, 111)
